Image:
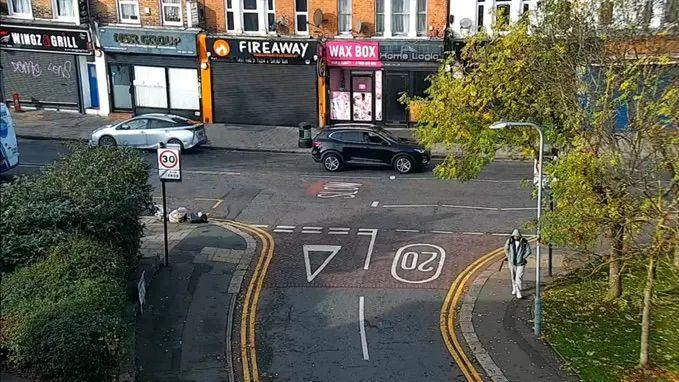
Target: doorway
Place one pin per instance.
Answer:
(362, 105)
(121, 81)
(94, 86)
(395, 85)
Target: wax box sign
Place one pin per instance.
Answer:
(352, 53)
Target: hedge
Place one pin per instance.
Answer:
(95, 192)
(63, 317)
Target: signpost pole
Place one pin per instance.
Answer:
(162, 182)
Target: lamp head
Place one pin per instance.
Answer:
(498, 125)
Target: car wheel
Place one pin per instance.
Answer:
(332, 162)
(175, 141)
(403, 164)
(107, 141)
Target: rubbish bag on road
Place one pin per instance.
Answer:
(178, 215)
(197, 217)
(158, 212)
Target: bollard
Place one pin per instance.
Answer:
(16, 103)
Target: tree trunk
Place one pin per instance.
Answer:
(646, 313)
(676, 256)
(614, 264)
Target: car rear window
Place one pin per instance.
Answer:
(347, 136)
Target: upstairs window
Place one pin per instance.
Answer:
(400, 17)
(421, 17)
(344, 18)
(301, 17)
(172, 12)
(20, 8)
(63, 9)
(250, 15)
(230, 23)
(129, 11)
(379, 17)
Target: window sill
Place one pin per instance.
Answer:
(173, 23)
(24, 16)
(130, 22)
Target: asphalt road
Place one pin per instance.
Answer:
(363, 258)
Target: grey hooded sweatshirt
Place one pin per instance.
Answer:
(517, 255)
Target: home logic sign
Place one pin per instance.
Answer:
(262, 51)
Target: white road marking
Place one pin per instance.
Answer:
(410, 261)
(374, 204)
(473, 233)
(313, 228)
(310, 231)
(283, 230)
(458, 206)
(338, 233)
(373, 234)
(408, 205)
(207, 172)
(306, 248)
(445, 232)
(361, 322)
(500, 234)
(260, 225)
(286, 226)
(407, 230)
(339, 229)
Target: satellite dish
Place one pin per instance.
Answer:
(318, 18)
(465, 23)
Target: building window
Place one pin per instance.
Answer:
(250, 16)
(20, 8)
(172, 12)
(421, 17)
(229, 15)
(344, 19)
(502, 16)
(270, 15)
(400, 16)
(379, 17)
(63, 9)
(526, 8)
(129, 11)
(301, 17)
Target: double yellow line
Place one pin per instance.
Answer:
(449, 312)
(248, 350)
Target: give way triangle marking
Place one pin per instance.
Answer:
(327, 250)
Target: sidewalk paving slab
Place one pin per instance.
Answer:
(503, 328)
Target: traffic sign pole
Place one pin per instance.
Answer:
(165, 216)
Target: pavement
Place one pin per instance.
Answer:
(48, 124)
(352, 288)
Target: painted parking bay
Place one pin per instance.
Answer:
(360, 306)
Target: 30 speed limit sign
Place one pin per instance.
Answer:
(169, 164)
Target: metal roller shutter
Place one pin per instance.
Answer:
(41, 79)
(261, 94)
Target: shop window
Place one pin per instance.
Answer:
(172, 12)
(184, 89)
(479, 16)
(301, 17)
(379, 17)
(250, 16)
(63, 9)
(421, 83)
(229, 15)
(344, 18)
(400, 17)
(20, 8)
(270, 15)
(421, 17)
(502, 16)
(129, 11)
(150, 87)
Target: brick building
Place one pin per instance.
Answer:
(47, 58)
(353, 58)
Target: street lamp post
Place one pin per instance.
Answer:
(537, 326)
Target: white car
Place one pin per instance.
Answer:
(148, 130)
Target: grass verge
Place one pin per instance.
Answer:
(599, 338)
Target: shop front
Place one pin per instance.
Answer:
(406, 65)
(262, 81)
(48, 67)
(152, 70)
(354, 78)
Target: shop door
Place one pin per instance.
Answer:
(94, 86)
(121, 78)
(362, 97)
(395, 85)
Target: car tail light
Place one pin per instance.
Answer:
(316, 144)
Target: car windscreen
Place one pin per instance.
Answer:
(385, 133)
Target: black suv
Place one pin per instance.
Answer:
(366, 144)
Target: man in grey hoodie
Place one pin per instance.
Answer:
(517, 251)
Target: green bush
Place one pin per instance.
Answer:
(92, 191)
(63, 318)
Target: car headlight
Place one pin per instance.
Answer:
(421, 151)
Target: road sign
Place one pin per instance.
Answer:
(169, 165)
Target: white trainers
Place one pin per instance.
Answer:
(518, 294)
(513, 291)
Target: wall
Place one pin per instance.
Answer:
(106, 12)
